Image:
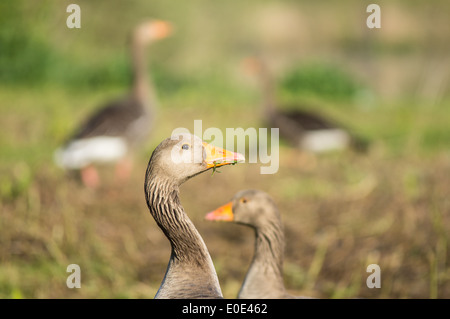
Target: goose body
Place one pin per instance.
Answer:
(303, 129)
(190, 273)
(107, 136)
(111, 133)
(256, 209)
(308, 131)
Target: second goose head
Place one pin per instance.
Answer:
(251, 207)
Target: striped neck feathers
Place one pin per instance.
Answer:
(165, 207)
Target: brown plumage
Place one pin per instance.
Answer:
(304, 129)
(111, 133)
(256, 209)
(190, 272)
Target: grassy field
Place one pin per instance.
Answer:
(342, 211)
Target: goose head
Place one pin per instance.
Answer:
(251, 207)
(152, 30)
(183, 156)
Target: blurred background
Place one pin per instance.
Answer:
(342, 210)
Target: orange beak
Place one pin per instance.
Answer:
(216, 156)
(252, 65)
(223, 213)
(162, 28)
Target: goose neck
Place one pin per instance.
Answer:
(165, 207)
(140, 79)
(269, 247)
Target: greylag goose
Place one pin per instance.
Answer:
(256, 209)
(190, 273)
(303, 129)
(111, 133)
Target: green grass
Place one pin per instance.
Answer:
(322, 81)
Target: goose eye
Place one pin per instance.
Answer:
(185, 146)
(243, 200)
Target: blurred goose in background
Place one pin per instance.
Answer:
(112, 132)
(190, 272)
(256, 209)
(303, 129)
